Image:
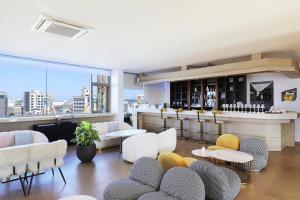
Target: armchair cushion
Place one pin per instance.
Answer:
(183, 183)
(112, 126)
(49, 155)
(220, 183)
(16, 156)
(145, 177)
(147, 171)
(7, 140)
(23, 138)
(228, 141)
(125, 189)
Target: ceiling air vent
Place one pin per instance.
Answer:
(55, 27)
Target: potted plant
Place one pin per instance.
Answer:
(85, 136)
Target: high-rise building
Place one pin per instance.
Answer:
(3, 104)
(15, 107)
(35, 102)
(82, 103)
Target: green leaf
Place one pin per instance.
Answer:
(85, 135)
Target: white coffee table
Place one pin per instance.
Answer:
(124, 134)
(233, 157)
(204, 153)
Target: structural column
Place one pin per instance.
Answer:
(116, 94)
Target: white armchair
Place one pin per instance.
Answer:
(141, 145)
(148, 145)
(43, 157)
(34, 157)
(14, 159)
(167, 140)
(13, 162)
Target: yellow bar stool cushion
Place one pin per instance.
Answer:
(226, 141)
(169, 160)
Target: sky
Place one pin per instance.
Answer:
(18, 76)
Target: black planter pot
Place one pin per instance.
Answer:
(86, 153)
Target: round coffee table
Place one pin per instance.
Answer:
(204, 153)
(234, 157)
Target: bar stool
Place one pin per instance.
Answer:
(219, 123)
(201, 121)
(181, 119)
(164, 118)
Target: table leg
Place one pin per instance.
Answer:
(251, 172)
(121, 141)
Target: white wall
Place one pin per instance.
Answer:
(158, 93)
(116, 94)
(281, 83)
(130, 82)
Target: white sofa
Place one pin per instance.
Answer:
(106, 127)
(148, 145)
(35, 157)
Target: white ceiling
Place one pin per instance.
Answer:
(147, 35)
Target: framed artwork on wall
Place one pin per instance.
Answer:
(289, 95)
(262, 93)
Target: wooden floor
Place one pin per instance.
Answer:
(281, 179)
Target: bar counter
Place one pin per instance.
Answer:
(278, 130)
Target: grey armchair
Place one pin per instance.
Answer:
(145, 176)
(178, 184)
(220, 183)
(259, 150)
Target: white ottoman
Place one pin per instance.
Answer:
(141, 145)
(78, 197)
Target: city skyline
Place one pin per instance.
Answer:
(63, 84)
(18, 76)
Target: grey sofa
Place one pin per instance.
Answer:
(259, 150)
(178, 184)
(220, 183)
(145, 177)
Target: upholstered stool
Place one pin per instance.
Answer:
(164, 118)
(181, 119)
(201, 121)
(226, 141)
(219, 123)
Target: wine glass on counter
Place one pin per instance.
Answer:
(242, 107)
(250, 108)
(226, 107)
(258, 108)
(263, 108)
(254, 108)
(246, 108)
(223, 107)
(230, 107)
(234, 107)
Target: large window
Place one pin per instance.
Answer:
(32, 87)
